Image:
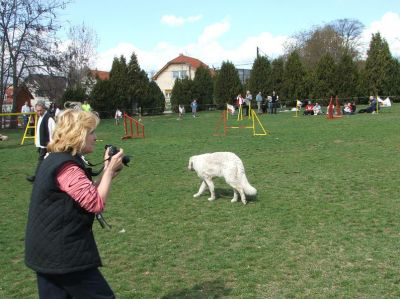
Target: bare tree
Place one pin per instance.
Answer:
(336, 38)
(29, 40)
(350, 31)
(80, 54)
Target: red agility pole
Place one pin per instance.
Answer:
(139, 128)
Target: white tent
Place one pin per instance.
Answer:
(385, 103)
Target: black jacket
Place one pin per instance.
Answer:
(59, 237)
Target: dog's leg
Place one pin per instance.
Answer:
(242, 196)
(235, 196)
(203, 187)
(210, 185)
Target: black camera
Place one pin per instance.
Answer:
(112, 150)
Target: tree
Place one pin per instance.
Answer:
(119, 83)
(376, 74)
(325, 77)
(28, 39)
(349, 31)
(346, 77)
(80, 54)
(156, 97)
(277, 75)
(260, 77)
(294, 82)
(227, 84)
(102, 96)
(203, 86)
(336, 38)
(177, 94)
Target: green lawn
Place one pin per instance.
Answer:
(325, 223)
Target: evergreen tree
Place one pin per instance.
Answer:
(260, 77)
(394, 82)
(227, 84)
(294, 78)
(346, 77)
(325, 74)
(119, 84)
(74, 94)
(203, 86)
(177, 94)
(156, 98)
(138, 84)
(101, 98)
(378, 65)
(277, 75)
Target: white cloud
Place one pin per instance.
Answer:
(209, 49)
(388, 27)
(213, 32)
(175, 21)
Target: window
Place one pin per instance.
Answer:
(179, 74)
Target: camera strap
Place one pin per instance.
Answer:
(102, 221)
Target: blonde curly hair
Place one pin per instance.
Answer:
(71, 130)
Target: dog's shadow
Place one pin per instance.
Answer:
(208, 289)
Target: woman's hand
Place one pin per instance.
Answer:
(113, 163)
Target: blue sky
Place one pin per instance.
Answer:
(218, 30)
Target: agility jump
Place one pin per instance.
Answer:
(129, 124)
(256, 124)
(330, 114)
(32, 121)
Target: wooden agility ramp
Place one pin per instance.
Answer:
(132, 128)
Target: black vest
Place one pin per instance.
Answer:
(59, 237)
(44, 130)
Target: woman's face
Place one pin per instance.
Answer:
(90, 142)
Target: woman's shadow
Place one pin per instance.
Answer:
(208, 289)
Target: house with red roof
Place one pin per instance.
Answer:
(23, 95)
(179, 67)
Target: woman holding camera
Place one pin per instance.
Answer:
(59, 242)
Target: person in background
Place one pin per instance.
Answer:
(274, 100)
(181, 110)
(59, 241)
(259, 100)
(317, 109)
(372, 106)
(43, 135)
(25, 109)
(248, 99)
(193, 105)
(118, 116)
(86, 106)
(309, 109)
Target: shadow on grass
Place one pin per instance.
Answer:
(208, 289)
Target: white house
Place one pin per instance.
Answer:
(179, 67)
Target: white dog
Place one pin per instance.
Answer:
(221, 164)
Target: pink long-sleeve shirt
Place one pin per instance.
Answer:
(72, 180)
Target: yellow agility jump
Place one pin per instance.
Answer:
(32, 121)
(256, 125)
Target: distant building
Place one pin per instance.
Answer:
(23, 95)
(46, 88)
(244, 75)
(179, 67)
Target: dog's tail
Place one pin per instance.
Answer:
(247, 188)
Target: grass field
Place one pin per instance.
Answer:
(325, 223)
